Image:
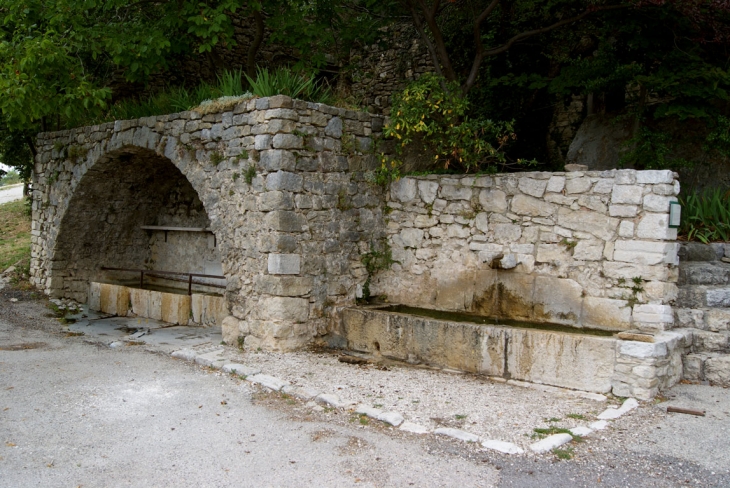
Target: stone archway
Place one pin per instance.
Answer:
(107, 219)
(281, 181)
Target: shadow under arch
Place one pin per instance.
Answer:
(123, 191)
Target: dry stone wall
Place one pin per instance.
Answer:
(283, 186)
(585, 249)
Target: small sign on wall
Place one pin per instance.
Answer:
(675, 214)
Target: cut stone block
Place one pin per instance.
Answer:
(503, 447)
(551, 442)
(270, 382)
(413, 428)
(392, 418)
(284, 264)
(457, 434)
(240, 369)
(581, 431)
(614, 413)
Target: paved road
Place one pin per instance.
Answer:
(75, 414)
(11, 193)
(79, 414)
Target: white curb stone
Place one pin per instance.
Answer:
(551, 442)
(267, 381)
(457, 434)
(392, 418)
(185, 354)
(581, 430)
(614, 413)
(414, 428)
(329, 399)
(501, 446)
(300, 392)
(599, 425)
(368, 410)
(240, 369)
(213, 359)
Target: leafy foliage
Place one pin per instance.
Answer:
(706, 215)
(436, 110)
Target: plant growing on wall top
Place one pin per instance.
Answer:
(435, 110)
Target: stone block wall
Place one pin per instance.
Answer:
(282, 183)
(584, 249)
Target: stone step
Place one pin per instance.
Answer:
(703, 296)
(704, 273)
(712, 319)
(712, 367)
(705, 341)
(696, 251)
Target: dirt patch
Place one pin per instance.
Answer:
(23, 346)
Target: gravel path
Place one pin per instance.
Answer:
(489, 409)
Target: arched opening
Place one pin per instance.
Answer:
(134, 210)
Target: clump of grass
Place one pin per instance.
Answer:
(564, 454)
(706, 215)
(285, 81)
(14, 233)
(250, 174)
(216, 158)
(576, 416)
(541, 433)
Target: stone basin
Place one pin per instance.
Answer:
(169, 306)
(582, 359)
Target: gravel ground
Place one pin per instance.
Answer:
(489, 409)
(63, 404)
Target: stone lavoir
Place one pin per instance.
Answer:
(278, 196)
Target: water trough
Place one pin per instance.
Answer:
(582, 359)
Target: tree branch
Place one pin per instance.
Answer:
(438, 45)
(427, 41)
(253, 49)
(481, 54)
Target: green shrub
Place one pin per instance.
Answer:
(706, 215)
(437, 111)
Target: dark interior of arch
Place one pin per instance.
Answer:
(102, 226)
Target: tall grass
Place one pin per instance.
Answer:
(284, 81)
(706, 215)
(230, 88)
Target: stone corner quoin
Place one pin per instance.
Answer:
(284, 186)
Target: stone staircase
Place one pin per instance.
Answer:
(703, 305)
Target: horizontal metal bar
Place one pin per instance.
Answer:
(177, 229)
(183, 280)
(174, 273)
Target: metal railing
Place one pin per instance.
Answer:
(164, 274)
